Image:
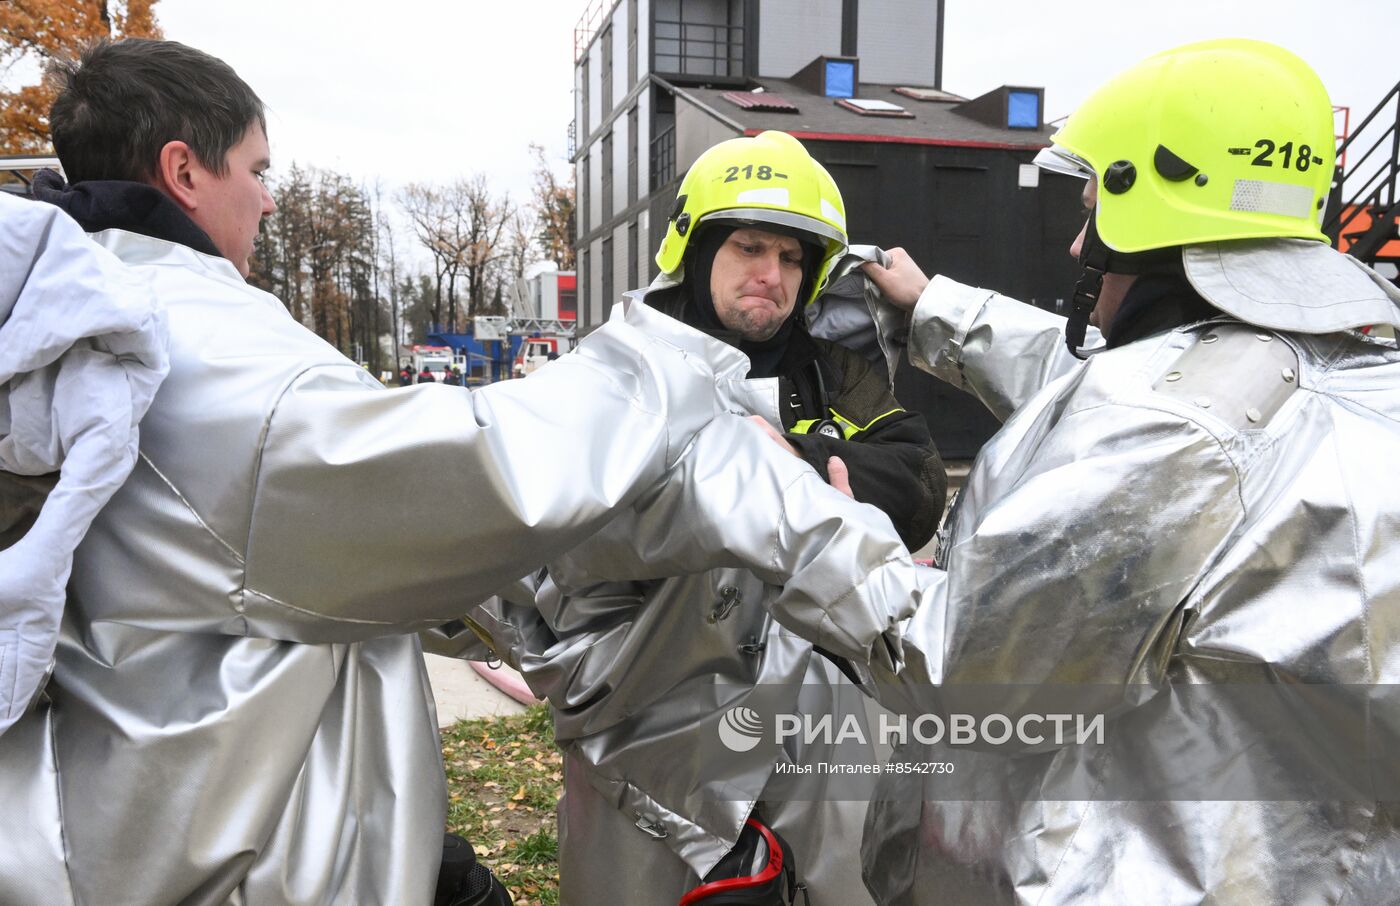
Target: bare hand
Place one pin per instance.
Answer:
(773, 433)
(840, 476)
(902, 282)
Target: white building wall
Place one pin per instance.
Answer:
(620, 275)
(621, 145)
(581, 220)
(597, 310)
(792, 33)
(580, 127)
(897, 41)
(549, 295)
(620, 85)
(595, 87)
(644, 143)
(595, 185)
(643, 37)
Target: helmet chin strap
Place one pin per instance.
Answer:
(1093, 264)
(1095, 260)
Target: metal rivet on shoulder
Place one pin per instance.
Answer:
(1203, 402)
(1264, 337)
(1253, 414)
(1288, 375)
(1173, 375)
(1209, 338)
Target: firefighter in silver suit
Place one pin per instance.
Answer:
(1207, 502)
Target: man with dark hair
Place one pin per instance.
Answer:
(238, 710)
(200, 140)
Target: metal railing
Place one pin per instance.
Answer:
(697, 48)
(587, 25)
(1362, 220)
(663, 158)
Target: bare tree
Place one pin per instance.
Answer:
(481, 221)
(427, 211)
(387, 250)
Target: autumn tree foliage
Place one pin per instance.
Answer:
(36, 32)
(553, 206)
(320, 254)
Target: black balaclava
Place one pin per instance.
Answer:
(765, 355)
(1161, 278)
(1160, 300)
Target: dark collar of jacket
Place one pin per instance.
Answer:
(106, 204)
(1154, 304)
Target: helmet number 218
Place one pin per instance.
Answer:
(731, 174)
(1304, 159)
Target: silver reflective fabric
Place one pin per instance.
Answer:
(240, 712)
(82, 351)
(639, 674)
(852, 311)
(1120, 532)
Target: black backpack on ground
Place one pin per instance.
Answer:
(463, 881)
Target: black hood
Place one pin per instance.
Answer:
(765, 356)
(1156, 303)
(106, 204)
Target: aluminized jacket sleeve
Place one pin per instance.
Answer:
(998, 349)
(496, 481)
(847, 579)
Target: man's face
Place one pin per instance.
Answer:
(1115, 286)
(230, 207)
(754, 282)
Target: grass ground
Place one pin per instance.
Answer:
(503, 780)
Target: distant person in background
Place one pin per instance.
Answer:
(405, 376)
(452, 377)
(426, 376)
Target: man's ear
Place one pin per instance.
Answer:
(176, 174)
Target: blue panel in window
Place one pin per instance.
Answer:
(1022, 110)
(840, 79)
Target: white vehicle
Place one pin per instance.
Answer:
(435, 359)
(535, 352)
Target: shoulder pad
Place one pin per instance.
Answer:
(1241, 374)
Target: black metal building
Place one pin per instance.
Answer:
(859, 82)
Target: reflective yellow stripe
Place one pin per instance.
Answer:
(803, 426)
(849, 428)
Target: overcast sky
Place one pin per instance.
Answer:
(431, 90)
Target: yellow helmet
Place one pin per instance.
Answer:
(1225, 139)
(767, 179)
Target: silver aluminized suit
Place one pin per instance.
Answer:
(639, 674)
(1212, 505)
(239, 713)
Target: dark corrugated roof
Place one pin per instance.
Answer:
(932, 121)
(763, 100)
